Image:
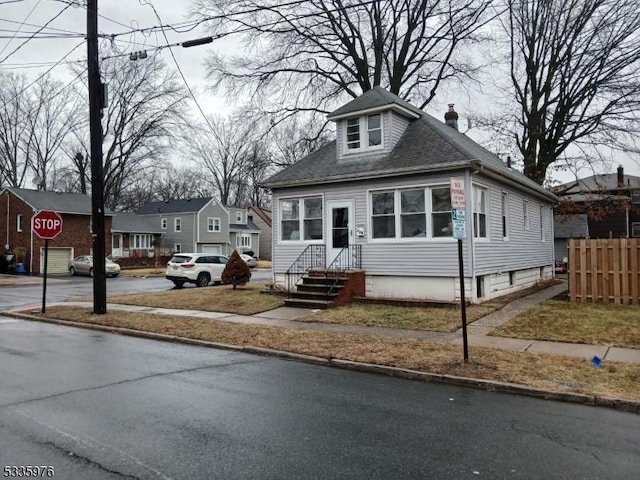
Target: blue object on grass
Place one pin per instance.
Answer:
(596, 361)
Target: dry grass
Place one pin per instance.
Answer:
(245, 300)
(264, 264)
(143, 272)
(437, 318)
(562, 321)
(541, 371)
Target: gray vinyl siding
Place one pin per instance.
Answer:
(264, 245)
(186, 237)
(524, 248)
(398, 125)
(213, 210)
(418, 258)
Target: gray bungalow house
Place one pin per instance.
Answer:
(203, 225)
(377, 200)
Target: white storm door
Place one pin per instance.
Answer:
(339, 227)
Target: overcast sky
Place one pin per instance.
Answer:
(117, 16)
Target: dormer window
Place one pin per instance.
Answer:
(364, 133)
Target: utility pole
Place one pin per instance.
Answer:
(97, 175)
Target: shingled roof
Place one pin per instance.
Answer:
(426, 145)
(186, 205)
(61, 202)
(129, 222)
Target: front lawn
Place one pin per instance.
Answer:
(560, 320)
(245, 300)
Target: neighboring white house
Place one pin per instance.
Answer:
(380, 195)
(203, 225)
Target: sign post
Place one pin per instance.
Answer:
(47, 225)
(459, 224)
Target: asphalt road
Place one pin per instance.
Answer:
(100, 406)
(66, 287)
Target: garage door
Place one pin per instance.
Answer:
(215, 249)
(59, 259)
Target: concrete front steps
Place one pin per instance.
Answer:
(313, 292)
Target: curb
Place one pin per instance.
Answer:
(632, 406)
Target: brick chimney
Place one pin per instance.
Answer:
(620, 176)
(451, 117)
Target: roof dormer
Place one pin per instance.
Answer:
(371, 124)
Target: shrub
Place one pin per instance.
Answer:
(237, 272)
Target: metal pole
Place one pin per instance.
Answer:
(463, 304)
(44, 279)
(97, 180)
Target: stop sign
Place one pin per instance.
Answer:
(47, 224)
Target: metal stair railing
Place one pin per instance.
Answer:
(312, 257)
(348, 258)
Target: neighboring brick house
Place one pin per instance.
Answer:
(262, 218)
(17, 208)
(203, 225)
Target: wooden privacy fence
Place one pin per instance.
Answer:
(604, 270)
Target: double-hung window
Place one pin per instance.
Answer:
(479, 212)
(163, 223)
(383, 218)
(177, 224)
(441, 212)
(364, 133)
(19, 223)
(413, 219)
(301, 219)
(525, 214)
(213, 224)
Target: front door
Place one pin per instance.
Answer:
(339, 227)
(116, 246)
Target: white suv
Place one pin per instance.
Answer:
(198, 268)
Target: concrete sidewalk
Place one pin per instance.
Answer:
(478, 331)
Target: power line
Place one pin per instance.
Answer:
(27, 40)
(61, 30)
(19, 28)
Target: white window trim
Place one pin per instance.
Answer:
(211, 227)
(429, 238)
(301, 240)
(526, 214)
(364, 135)
(487, 212)
(239, 217)
(176, 221)
(505, 215)
(19, 222)
(163, 223)
(177, 248)
(144, 239)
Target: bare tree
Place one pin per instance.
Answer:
(13, 161)
(224, 150)
(146, 110)
(304, 56)
(51, 117)
(575, 75)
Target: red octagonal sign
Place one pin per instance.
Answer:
(47, 224)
